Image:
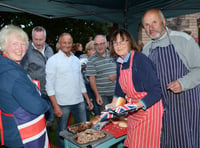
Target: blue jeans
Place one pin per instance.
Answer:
(79, 113)
(92, 96)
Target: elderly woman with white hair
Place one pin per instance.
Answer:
(22, 122)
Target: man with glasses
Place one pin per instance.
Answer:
(101, 70)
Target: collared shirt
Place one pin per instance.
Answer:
(42, 51)
(64, 79)
(120, 60)
(34, 62)
(144, 78)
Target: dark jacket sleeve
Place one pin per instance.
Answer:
(145, 79)
(27, 94)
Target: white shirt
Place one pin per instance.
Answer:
(39, 50)
(64, 79)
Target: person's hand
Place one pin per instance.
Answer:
(112, 77)
(110, 105)
(90, 105)
(174, 86)
(99, 100)
(58, 111)
(139, 105)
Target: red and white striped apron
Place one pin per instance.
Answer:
(144, 126)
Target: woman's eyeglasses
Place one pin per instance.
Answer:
(122, 42)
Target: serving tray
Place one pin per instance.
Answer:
(79, 127)
(115, 130)
(71, 137)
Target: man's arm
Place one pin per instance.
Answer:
(89, 102)
(56, 107)
(50, 86)
(93, 85)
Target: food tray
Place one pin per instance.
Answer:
(115, 130)
(77, 126)
(89, 134)
(71, 137)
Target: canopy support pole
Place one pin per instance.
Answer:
(125, 15)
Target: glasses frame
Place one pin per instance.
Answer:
(121, 43)
(99, 44)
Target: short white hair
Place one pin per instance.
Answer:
(7, 32)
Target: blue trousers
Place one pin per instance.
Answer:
(79, 113)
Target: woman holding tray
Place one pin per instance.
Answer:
(137, 83)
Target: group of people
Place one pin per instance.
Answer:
(163, 81)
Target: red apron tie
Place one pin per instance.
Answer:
(1, 125)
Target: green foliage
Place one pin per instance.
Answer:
(80, 30)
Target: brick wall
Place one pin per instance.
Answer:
(187, 23)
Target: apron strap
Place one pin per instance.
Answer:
(1, 129)
(131, 60)
(1, 125)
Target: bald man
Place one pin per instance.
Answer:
(177, 59)
(65, 86)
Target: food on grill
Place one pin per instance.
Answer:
(95, 119)
(89, 135)
(115, 120)
(123, 123)
(120, 101)
(80, 127)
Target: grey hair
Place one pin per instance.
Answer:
(89, 45)
(39, 29)
(161, 15)
(101, 36)
(9, 31)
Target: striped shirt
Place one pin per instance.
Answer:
(101, 68)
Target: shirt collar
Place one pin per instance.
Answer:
(60, 51)
(107, 53)
(120, 60)
(162, 37)
(4, 55)
(38, 49)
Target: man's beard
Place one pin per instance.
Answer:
(158, 35)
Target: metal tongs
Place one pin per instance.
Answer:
(99, 125)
